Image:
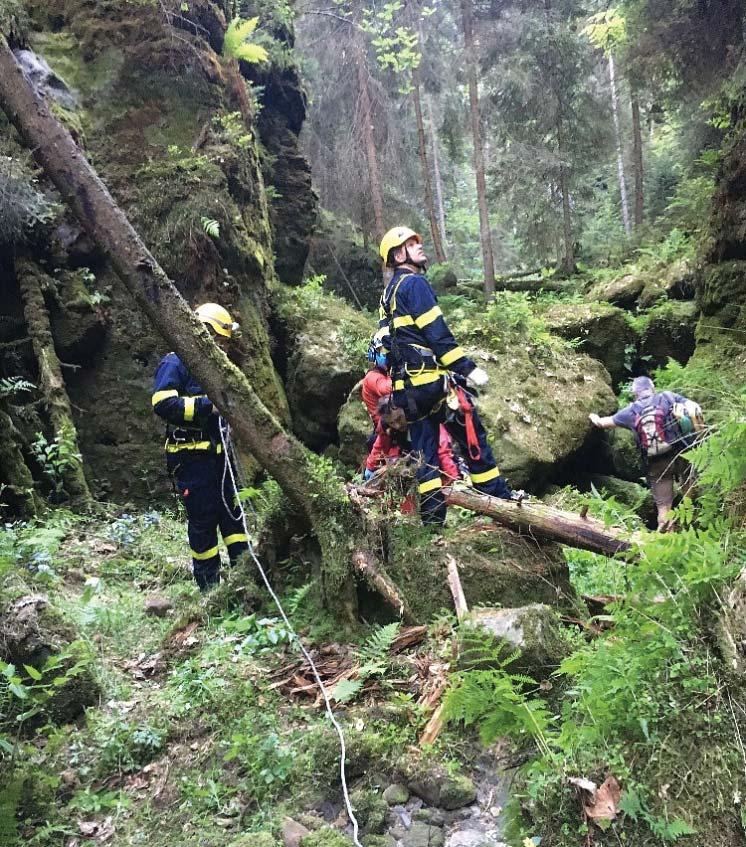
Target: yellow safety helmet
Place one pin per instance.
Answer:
(395, 238)
(218, 318)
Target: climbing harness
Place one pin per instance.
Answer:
(458, 400)
(231, 462)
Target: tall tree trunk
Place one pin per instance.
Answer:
(485, 235)
(619, 154)
(568, 260)
(366, 128)
(437, 180)
(440, 255)
(637, 166)
(51, 382)
(295, 468)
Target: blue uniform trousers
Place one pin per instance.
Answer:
(426, 409)
(205, 495)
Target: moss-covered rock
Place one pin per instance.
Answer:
(669, 333)
(437, 787)
(496, 566)
(326, 340)
(255, 839)
(354, 427)
(536, 409)
(624, 291)
(34, 633)
(371, 810)
(326, 837)
(351, 271)
(623, 454)
(535, 630)
(604, 333)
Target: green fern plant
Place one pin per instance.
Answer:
(211, 227)
(490, 696)
(374, 656)
(237, 45)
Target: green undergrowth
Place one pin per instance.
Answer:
(646, 696)
(186, 743)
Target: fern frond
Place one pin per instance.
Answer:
(211, 227)
(378, 644)
(236, 45)
(297, 597)
(346, 690)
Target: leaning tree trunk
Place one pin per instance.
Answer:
(51, 382)
(485, 235)
(637, 167)
(298, 472)
(619, 150)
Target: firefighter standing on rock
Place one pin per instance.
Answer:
(430, 372)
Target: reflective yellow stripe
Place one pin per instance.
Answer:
(189, 408)
(234, 539)
(428, 317)
(476, 478)
(208, 554)
(451, 356)
(163, 395)
(420, 379)
(189, 445)
(404, 320)
(430, 485)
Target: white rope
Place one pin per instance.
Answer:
(225, 438)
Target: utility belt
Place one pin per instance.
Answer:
(419, 368)
(190, 440)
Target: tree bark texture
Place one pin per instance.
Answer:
(280, 454)
(437, 179)
(365, 565)
(619, 148)
(568, 260)
(637, 165)
(51, 381)
(538, 519)
(440, 255)
(485, 236)
(17, 486)
(426, 182)
(366, 127)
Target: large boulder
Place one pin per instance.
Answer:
(623, 455)
(351, 270)
(623, 291)
(326, 341)
(536, 409)
(603, 331)
(535, 630)
(669, 333)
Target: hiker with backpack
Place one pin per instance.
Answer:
(665, 424)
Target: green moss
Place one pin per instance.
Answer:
(371, 810)
(326, 837)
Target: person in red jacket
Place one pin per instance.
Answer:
(385, 444)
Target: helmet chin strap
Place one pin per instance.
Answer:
(410, 261)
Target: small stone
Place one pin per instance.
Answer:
(159, 607)
(292, 832)
(432, 816)
(423, 835)
(396, 794)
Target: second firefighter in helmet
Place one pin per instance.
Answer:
(194, 454)
(426, 363)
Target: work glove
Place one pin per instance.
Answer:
(478, 377)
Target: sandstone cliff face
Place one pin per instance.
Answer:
(148, 96)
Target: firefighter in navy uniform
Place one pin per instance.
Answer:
(427, 364)
(195, 457)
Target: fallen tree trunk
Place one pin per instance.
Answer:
(536, 518)
(329, 511)
(51, 382)
(365, 564)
